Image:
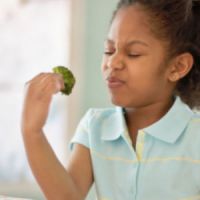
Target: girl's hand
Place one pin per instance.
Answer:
(38, 95)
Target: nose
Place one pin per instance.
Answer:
(115, 62)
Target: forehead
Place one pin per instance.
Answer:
(130, 23)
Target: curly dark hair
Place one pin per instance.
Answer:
(178, 22)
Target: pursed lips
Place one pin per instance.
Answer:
(114, 82)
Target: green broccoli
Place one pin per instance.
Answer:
(69, 79)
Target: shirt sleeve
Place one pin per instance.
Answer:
(81, 135)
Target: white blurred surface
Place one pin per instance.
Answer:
(11, 198)
(33, 38)
(21, 190)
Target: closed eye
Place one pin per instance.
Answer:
(108, 52)
(134, 55)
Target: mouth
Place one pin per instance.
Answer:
(114, 82)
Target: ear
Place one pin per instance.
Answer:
(180, 67)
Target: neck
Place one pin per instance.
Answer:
(139, 118)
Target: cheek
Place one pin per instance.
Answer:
(147, 79)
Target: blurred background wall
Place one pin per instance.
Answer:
(88, 35)
(36, 35)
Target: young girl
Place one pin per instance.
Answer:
(148, 146)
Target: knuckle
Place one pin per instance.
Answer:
(58, 76)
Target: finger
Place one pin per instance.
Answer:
(58, 80)
(45, 78)
(36, 77)
(52, 83)
(34, 81)
(61, 80)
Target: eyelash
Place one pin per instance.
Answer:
(134, 56)
(108, 53)
(129, 55)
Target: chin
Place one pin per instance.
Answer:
(119, 102)
(126, 103)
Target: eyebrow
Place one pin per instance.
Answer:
(133, 42)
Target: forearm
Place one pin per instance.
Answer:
(52, 177)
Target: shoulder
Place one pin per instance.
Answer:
(96, 118)
(191, 139)
(193, 128)
(104, 120)
(100, 114)
(195, 120)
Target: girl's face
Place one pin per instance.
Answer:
(134, 63)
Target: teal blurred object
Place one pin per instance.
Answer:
(98, 15)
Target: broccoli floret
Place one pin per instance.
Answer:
(69, 79)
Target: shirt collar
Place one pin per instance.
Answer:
(167, 129)
(114, 126)
(172, 124)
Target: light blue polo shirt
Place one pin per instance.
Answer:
(164, 166)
